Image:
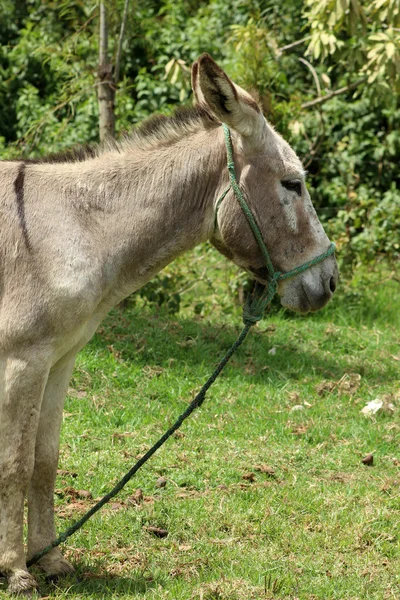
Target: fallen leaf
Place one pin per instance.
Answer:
(84, 494)
(368, 460)
(250, 368)
(389, 408)
(74, 494)
(157, 531)
(325, 387)
(265, 469)
(67, 509)
(117, 506)
(126, 454)
(137, 497)
(299, 430)
(390, 485)
(340, 477)
(294, 397)
(123, 434)
(331, 329)
(161, 482)
(184, 547)
(349, 383)
(65, 473)
(249, 477)
(269, 328)
(152, 371)
(188, 343)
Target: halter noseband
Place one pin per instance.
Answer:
(257, 302)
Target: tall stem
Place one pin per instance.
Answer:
(120, 40)
(106, 88)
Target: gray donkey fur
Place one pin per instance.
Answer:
(79, 234)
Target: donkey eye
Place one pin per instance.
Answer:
(293, 185)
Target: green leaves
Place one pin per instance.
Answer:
(386, 11)
(361, 34)
(336, 15)
(350, 144)
(177, 73)
(384, 57)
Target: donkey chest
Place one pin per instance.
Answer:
(68, 344)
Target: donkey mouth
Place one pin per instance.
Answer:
(301, 298)
(304, 300)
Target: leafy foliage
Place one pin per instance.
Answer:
(350, 144)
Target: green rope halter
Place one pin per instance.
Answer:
(252, 312)
(257, 302)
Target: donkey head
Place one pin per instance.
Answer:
(271, 178)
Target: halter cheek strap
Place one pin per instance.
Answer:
(257, 302)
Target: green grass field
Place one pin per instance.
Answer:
(260, 498)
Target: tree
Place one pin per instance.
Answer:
(106, 83)
(108, 73)
(327, 75)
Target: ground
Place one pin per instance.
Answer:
(263, 493)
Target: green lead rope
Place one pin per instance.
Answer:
(253, 311)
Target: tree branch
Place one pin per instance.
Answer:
(313, 73)
(342, 90)
(103, 42)
(294, 44)
(120, 40)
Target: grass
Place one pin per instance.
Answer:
(262, 499)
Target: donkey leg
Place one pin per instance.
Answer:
(22, 381)
(41, 527)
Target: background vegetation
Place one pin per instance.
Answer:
(263, 494)
(298, 54)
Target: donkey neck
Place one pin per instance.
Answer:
(155, 203)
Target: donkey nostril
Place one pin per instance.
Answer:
(332, 284)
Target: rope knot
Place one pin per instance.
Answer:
(257, 302)
(249, 318)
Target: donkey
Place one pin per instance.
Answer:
(80, 233)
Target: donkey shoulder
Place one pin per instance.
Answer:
(51, 274)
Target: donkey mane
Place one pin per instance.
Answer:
(160, 130)
(78, 237)
(77, 153)
(156, 131)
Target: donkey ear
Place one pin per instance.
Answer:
(227, 101)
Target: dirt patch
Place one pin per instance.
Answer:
(347, 384)
(236, 589)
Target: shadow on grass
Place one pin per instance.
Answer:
(93, 583)
(147, 338)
